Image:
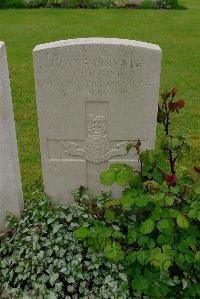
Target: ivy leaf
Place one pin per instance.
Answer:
(113, 252)
(53, 278)
(81, 233)
(147, 226)
(182, 221)
(107, 177)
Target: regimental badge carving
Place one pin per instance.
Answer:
(97, 149)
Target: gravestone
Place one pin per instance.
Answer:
(94, 96)
(11, 198)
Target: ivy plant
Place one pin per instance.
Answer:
(41, 259)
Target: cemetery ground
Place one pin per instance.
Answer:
(177, 33)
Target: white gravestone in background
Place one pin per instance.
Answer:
(11, 198)
(94, 96)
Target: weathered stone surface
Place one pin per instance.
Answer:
(11, 198)
(94, 96)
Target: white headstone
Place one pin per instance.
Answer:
(94, 96)
(11, 198)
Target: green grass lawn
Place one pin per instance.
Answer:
(177, 33)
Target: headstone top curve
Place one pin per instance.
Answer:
(96, 41)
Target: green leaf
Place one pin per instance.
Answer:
(142, 200)
(173, 213)
(53, 278)
(129, 147)
(156, 214)
(131, 236)
(116, 167)
(122, 178)
(143, 257)
(166, 226)
(109, 215)
(127, 201)
(117, 235)
(197, 256)
(147, 226)
(169, 200)
(103, 230)
(163, 165)
(145, 241)
(131, 257)
(193, 213)
(165, 239)
(179, 259)
(113, 252)
(140, 284)
(161, 115)
(107, 177)
(157, 175)
(81, 233)
(158, 198)
(182, 221)
(197, 189)
(112, 203)
(189, 257)
(162, 260)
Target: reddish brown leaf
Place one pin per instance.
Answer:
(172, 106)
(181, 104)
(170, 179)
(197, 170)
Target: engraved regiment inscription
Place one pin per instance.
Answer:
(94, 96)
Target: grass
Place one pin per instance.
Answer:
(177, 33)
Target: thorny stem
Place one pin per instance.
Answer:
(166, 125)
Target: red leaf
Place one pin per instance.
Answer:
(172, 106)
(197, 170)
(181, 104)
(171, 179)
